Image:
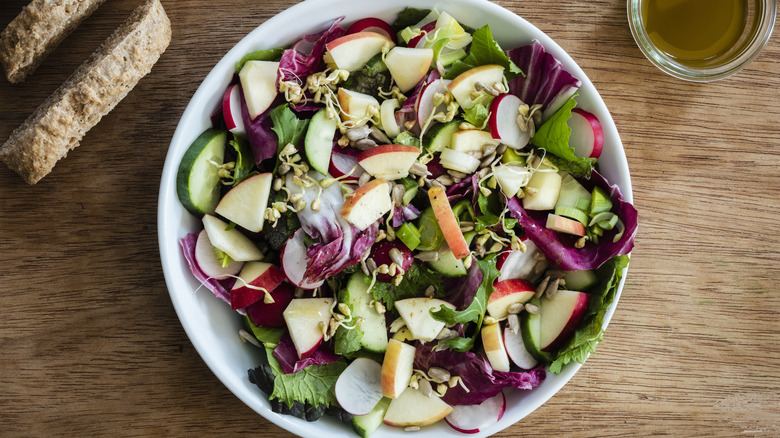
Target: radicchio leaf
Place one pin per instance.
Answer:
(305, 56)
(220, 288)
(404, 213)
(259, 132)
(467, 187)
(475, 373)
(545, 81)
(287, 356)
(463, 290)
(560, 250)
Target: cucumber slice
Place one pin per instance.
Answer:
(365, 425)
(430, 233)
(574, 195)
(197, 181)
(600, 202)
(580, 280)
(319, 140)
(572, 213)
(447, 264)
(512, 157)
(439, 136)
(531, 326)
(373, 327)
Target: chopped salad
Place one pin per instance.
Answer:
(409, 219)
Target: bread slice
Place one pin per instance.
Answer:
(37, 30)
(94, 89)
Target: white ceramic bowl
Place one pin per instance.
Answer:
(211, 325)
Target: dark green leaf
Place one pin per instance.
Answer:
(245, 159)
(553, 136)
(409, 17)
(288, 128)
(313, 384)
(260, 55)
(268, 336)
(484, 50)
(415, 281)
(370, 79)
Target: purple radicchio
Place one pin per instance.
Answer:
(404, 213)
(545, 81)
(287, 356)
(221, 288)
(305, 56)
(262, 138)
(469, 186)
(409, 109)
(560, 250)
(460, 291)
(476, 374)
(341, 244)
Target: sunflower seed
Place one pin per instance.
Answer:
(515, 308)
(445, 180)
(542, 286)
(358, 132)
(436, 183)
(396, 256)
(488, 160)
(380, 136)
(419, 169)
(283, 168)
(501, 149)
(552, 289)
(532, 308)
(365, 177)
(514, 323)
(364, 144)
(425, 388)
(489, 149)
(398, 194)
(430, 290)
(371, 264)
(456, 174)
(439, 375)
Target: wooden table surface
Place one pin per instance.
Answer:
(90, 344)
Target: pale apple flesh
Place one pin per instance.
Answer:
(408, 65)
(416, 313)
(367, 204)
(493, 343)
(305, 318)
(230, 240)
(258, 81)
(413, 408)
(245, 203)
(462, 86)
(471, 140)
(207, 260)
(390, 161)
(351, 52)
(507, 293)
(560, 317)
(397, 368)
(357, 107)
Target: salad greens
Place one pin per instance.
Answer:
(408, 203)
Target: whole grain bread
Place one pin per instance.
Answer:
(58, 125)
(37, 30)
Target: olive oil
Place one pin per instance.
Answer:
(698, 33)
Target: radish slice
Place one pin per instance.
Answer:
(587, 137)
(207, 261)
(518, 264)
(475, 418)
(425, 102)
(372, 24)
(359, 387)
(515, 348)
(503, 121)
(231, 110)
(419, 40)
(342, 164)
(294, 261)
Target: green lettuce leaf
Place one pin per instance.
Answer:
(313, 384)
(484, 50)
(288, 128)
(475, 312)
(415, 281)
(553, 136)
(591, 332)
(268, 336)
(245, 159)
(370, 79)
(409, 17)
(407, 139)
(260, 55)
(476, 115)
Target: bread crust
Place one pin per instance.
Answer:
(37, 31)
(95, 88)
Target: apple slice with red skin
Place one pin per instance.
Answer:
(463, 85)
(503, 122)
(230, 240)
(254, 275)
(271, 315)
(245, 203)
(564, 225)
(475, 418)
(355, 106)
(493, 343)
(414, 409)
(380, 253)
(231, 110)
(515, 348)
(424, 105)
(258, 82)
(447, 222)
(207, 260)
(294, 261)
(408, 66)
(372, 24)
(587, 136)
(367, 204)
(389, 161)
(303, 317)
(352, 51)
(506, 293)
(397, 368)
(560, 317)
(419, 40)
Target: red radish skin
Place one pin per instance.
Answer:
(342, 164)
(231, 110)
(294, 261)
(515, 348)
(503, 121)
(418, 40)
(270, 314)
(587, 136)
(476, 418)
(207, 261)
(372, 24)
(425, 102)
(380, 253)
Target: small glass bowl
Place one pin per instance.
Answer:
(755, 37)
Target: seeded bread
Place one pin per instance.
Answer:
(93, 90)
(38, 30)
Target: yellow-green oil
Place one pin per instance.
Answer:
(696, 33)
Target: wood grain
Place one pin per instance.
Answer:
(90, 344)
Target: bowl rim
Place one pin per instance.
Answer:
(173, 221)
(698, 74)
